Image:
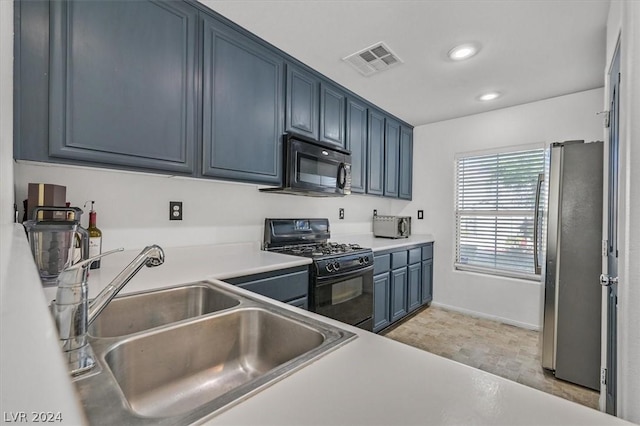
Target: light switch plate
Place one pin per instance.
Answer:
(420, 214)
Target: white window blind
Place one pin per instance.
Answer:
(495, 211)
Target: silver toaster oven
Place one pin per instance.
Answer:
(392, 226)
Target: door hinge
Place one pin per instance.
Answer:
(605, 248)
(606, 119)
(603, 376)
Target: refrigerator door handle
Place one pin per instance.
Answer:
(536, 223)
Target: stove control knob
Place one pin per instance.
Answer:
(336, 266)
(329, 267)
(361, 260)
(366, 259)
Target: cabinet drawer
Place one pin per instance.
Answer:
(283, 287)
(427, 252)
(381, 263)
(301, 303)
(415, 255)
(399, 259)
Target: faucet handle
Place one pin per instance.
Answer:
(78, 272)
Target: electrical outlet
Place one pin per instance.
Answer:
(375, 212)
(175, 210)
(341, 214)
(420, 214)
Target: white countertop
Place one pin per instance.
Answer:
(189, 264)
(371, 380)
(381, 244)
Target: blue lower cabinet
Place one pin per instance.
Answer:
(414, 286)
(403, 282)
(427, 282)
(398, 293)
(381, 296)
(286, 285)
(302, 303)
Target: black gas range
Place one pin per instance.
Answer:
(341, 275)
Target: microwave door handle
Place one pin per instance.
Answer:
(342, 176)
(403, 227)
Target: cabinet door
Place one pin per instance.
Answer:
(406, 163)
(381, 297)
(392, 158)
(302, 102)
(356, 141)
(122, 86)
(242, 107)
(302, 303)
(398, 293)
(414, 286)
(427, 281)
(375, 153)
(332, 114)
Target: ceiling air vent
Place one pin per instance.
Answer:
(373, 59)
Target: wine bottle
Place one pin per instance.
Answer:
(95, 238)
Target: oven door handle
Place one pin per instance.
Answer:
(330, 279)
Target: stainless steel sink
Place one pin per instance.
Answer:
(143, 311)
(176, 370)
(187, 371)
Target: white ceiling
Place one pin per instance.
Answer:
(531, 49)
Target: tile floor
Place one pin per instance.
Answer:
(498, 348)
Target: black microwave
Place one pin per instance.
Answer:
(314, 168)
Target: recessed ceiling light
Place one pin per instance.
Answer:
(463, 51)
(489, 96)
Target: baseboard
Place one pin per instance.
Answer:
(508, 321)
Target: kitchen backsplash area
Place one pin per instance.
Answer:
(133, 208)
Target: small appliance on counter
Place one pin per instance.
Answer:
(392, 226)
(53, 240)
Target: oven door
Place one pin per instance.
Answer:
(347, 298)
(318, 169)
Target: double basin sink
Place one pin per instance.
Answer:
(180, 355)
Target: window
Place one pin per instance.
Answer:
(496, 212)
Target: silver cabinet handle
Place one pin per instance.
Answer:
(536, 220)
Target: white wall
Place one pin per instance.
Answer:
(6, 112)
(435, 145)
(624, 23)
(133, 208)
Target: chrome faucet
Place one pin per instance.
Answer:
(73, 313)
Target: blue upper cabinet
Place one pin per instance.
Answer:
(356, 142)
(122, 83)
(332, 114)
(172, 87)
(302, 102)
(392, 158)
(375, 153)
(242, 107)
(406, 163)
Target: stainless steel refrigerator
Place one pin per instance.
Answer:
(572, 299)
